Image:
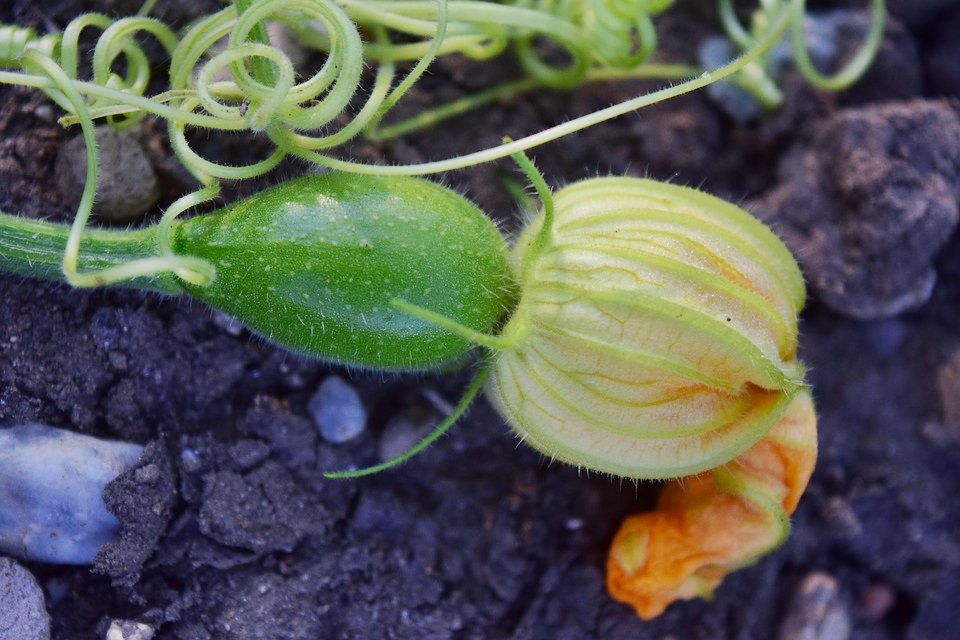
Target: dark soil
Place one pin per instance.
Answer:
(230, 530)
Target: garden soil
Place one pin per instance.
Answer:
(229, 529)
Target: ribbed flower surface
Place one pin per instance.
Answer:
(656, 332)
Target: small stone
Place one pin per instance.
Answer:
(129, 630)
(573, 524)
(816, 612)
(842, 518)
(45, 113)
(876, 601)
(190, 459)
(246, 454)
(402, 432)
(948, 384)
(337, 411)
(735, 102)
(126, 183)
(824, 33)
(23, 615)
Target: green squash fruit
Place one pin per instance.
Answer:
(313, 265)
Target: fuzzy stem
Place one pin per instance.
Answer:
(35, 248)
(468, 395)
(263, 71)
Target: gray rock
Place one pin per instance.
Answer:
(51, 487)
(404, 431)
(870, 202)
(337, 411)
(824, 36)
(23, 615)
(126, 182)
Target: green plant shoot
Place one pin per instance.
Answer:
(315, 266)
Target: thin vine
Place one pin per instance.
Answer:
(226, 75)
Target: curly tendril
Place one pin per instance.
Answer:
(262, 94)
(758, 77)
(225, 75)
(248, 84)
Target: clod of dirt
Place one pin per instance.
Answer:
(126, 182)
(23, 615)
(262, 511)
(142, 498)
(869, 201)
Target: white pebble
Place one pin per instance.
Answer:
(129, 630)
(816, 612)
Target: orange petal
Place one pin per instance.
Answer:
(706, 526)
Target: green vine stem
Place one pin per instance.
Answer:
(776, 30)
(857, 65)
(35, 248)
(476, 384)
(602, 39)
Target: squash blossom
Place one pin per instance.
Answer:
(655, 338)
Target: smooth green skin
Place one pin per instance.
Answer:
(313, 264)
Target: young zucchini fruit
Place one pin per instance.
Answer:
(314, 265)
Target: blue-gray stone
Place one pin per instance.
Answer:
(51, 486)
(337, 411)
(23, 615)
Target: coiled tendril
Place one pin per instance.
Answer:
(251, 85)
